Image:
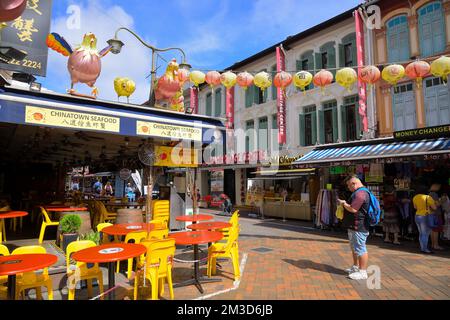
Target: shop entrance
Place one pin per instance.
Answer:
(229, 184)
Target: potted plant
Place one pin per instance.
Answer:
(92, 235)
(70, 224)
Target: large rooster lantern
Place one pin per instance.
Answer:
(168, 88)
(84, 63)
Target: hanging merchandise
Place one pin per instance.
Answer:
(183, 75)
(262, 80)
(322, 79)
(302, 79)
(197, 77)
(244, 80)
(441, 68)
(346, 78)
(282, 80)
(393, 73)
(212, 78)
(370, 75)
(228, 79)
(417, 70)
(326, 208)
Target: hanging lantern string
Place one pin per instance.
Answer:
(337, 68)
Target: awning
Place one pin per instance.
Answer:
(374, 151)
(64, 111)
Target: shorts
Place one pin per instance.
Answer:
(358, 241)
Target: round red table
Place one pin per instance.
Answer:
(65, 209)
(110, 253)
(194, 218)
(9, 214)
(213, 225)
(19, 263)
(195, 238)
(122, 229)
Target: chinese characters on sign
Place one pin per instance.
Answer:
(68, 119)
(168, 131)
(281, 100)
(28, 33)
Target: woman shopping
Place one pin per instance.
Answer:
(424, 205)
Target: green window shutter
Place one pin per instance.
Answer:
(344, 123)
(318, 62)
(358, 123)
(321, 127)
(265, 94)
(354, 54)
(335, 125)
(274, 89)
(332, 60)
(311, 67)
(298, 65)
(302, 129)
(209, 104)
(256, 95)
(249, 96)
(314, 127)
(341, 55)
(218, 103)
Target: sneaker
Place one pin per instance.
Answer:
(352, 269)
(359, 275)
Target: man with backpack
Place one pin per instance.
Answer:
(359, 215)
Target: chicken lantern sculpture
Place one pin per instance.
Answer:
(84, 63)
(169, 89)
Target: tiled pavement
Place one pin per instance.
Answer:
(305, 263)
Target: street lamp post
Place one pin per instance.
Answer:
(116, 46)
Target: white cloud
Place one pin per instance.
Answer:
(133, 61)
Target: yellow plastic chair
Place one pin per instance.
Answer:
(158, 268)
(80, 271)
(105, 237)
(29, 280)
(161, 211)
(234, 221)
(225, 250)
(3, 252)
(158, 234)
(46, 222)
(2, 223)
(105, 215)
(137, 237)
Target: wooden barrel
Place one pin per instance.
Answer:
(129, 216)
(85, 222)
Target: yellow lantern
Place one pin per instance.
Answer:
(441, 68)
(262, 80)
(228, 79)
(302, 79)
(197, 77)
(346, 77)
(393, 73)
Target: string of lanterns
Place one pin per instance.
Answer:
(345, 77)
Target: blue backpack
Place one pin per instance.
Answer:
(374, 210)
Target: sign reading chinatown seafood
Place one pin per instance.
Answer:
(28, 33)
(420, 133)
(360, 57)
(68, 119)
(164, 130)
(281, 100)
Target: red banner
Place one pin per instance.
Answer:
(281, 99)
(230, 108)
(194, 100)
(360, 57)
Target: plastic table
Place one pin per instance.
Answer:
(19, 263)
(122, 229)
(110, 253)
(195, 238)
(9, 214)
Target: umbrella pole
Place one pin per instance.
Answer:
(148, 205)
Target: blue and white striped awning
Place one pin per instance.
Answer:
(381, 150)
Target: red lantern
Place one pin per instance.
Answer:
(183, 75)
(322, 79)
(282, 80)
(244, 79)
(370, 75)
(212, 78)
(11, 9)
(417, 70)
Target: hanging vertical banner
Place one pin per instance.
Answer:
(194, 100)
(360, 57)
(229, 109)
(281, 99)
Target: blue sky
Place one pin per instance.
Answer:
(214, 34)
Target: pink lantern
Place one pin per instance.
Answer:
(282, 80)
(244, 80)
(212, 78)
(11, 9)
(370, 75)
(417, 70)
(183, 75)
(322, 79)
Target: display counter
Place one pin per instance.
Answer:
(289, 209)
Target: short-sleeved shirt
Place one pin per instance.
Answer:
(358, 221)
(422, 204)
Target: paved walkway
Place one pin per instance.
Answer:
(290, 260)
